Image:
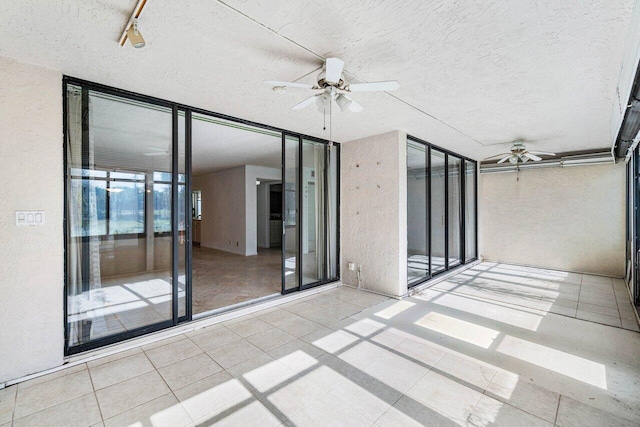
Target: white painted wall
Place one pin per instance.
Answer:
(263, 214)
(230, 208)
(568, 218)
(31, 258)
(373, 215)
(253, 173)
(223, 224)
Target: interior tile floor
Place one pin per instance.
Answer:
(221, 279)
(349, 357)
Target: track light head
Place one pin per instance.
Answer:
(135, 36)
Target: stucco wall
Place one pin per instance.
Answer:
(373, 203)
(31, 258)
(568, 218)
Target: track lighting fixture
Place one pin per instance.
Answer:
(131, 30)
(135, 36)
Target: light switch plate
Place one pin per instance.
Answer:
(29, 217)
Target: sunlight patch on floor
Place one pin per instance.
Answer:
(573, 366)
(395, 309)
(458, 329)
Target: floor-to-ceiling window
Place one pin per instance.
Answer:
(123, 172)
(310, 207)
(633, 226)
(130, 212)
(441, 211)
(417, 204)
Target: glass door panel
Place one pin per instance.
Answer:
(438, 202)
(470, 210)
(184, 217)
(417, 214)
(290, 200)
(118, 254)
(454, 229)
(313, 212)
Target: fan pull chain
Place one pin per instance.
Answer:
(324, 118)
(330, 124)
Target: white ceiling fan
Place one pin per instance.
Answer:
(519, 154)
(332, 87)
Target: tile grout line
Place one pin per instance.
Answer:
(165, 382)
(555, 420)
(95, 395)
(15, 405)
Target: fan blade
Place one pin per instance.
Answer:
(374, 86)
(287, 84)
(354, 106)
(334, 70)
(301, 105)
(504, 159)
(497, 156)
(163, 153)
(532, 156)
(544, 153)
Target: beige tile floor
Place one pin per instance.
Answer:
(348, 357)
(596, 298)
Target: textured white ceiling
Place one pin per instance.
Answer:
(474, 74)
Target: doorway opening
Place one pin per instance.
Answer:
(237, 237)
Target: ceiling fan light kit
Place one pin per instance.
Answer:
(519, 154)
(332, 87)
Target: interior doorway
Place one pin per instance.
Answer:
(237, 170)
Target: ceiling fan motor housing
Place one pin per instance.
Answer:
(323, 83)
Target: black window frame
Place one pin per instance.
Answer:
(463, 200)
(177, 109)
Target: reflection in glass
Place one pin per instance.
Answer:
(313, 206)
(332, 220)
(417, 238)
(291, 188)
(118, 261)
(182, 217)
(438, 201)
(455, 210)
(470, 210)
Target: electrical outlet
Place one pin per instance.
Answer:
(351, 266)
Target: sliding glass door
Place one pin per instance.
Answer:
(310, 213)
(441, 211)
(437, 211)
(264, 213)
(125, 208)
(417, 205)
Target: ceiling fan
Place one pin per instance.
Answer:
(520, 154)
(332, 87)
